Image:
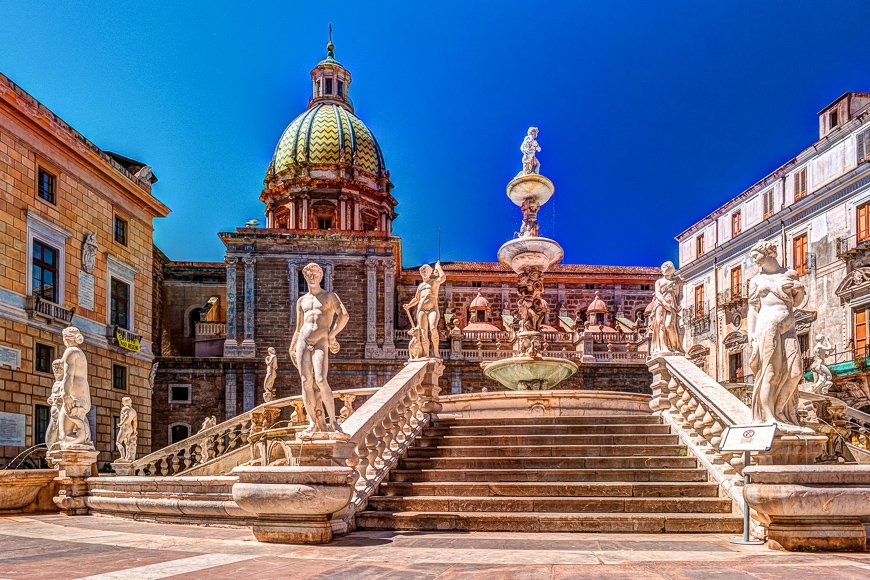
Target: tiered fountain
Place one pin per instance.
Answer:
(530, 255)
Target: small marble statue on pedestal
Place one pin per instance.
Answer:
(72, 423)
(823, 379)
(128, 431)
(55, 402)
(775, 355)
(271, 373)
(320, 317)
(663, 313)
(208, 423)
(529, 148)
(424, 322)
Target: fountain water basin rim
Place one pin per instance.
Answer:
(530, 253)
(522, 373)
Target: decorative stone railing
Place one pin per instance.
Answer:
(231, 435)
(627, 356)
(36, 306)
(385, 426)
(485, 355)
(699, 409)
(614, 337)
(211, 329)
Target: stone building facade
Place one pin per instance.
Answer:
(328, 199)
(76, 234)
(816, 209)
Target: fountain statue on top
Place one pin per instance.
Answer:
(530, 255)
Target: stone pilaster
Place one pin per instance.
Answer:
(389, 307)
(292, 207)
(249, 391)
(230, 395)
(342, 212)
(371, 347)
(304, 224)
(231, 344)
(248, 346)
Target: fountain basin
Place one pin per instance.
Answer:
(531, 186)
(530, 253)
(525, 373)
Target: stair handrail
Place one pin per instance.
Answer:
(700, 409)
(386, 425)
(209, 444)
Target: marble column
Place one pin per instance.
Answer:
(371, 347)
(389, 299)
(291, 207)
(248, 346)
(231, 344)
(357, 224)
(304, 224)
(342, 213)
(230, 395)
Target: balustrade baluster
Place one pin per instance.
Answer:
(406, 411)
(362, 463)
(164, 467)
(395, 429)
(221, 444)
(378, 432)
(176, 464)
(372, 455)
(387, 454)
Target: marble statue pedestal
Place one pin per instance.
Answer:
(811, 507)
(123, 468)
(293, 503)
(75, 463)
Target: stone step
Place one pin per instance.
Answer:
(667, 474)
(530, 440)
(430, 503)
(573, 451)
(538, 463)
(443, 420)
(652, 429)
(550, 522)
(551, 489)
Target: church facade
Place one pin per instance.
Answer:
(328, 199)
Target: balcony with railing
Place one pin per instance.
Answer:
(37, 307)
(697, 319)
(849, 247)
(209, 339)
(123, 338)
(732, 298)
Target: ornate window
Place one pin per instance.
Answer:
(369, 220)
(735, 224)
(736, 282)
(45, 271)
(119, 314)
(323, 215)
(860, 329)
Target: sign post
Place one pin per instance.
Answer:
(747, 438)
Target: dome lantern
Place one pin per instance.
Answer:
(330, 80)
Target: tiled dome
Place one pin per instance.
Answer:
(328, 134)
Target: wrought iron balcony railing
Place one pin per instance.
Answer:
(53, 313)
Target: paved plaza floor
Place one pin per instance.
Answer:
(59, 547)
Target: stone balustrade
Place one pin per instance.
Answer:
(211, 444)
(385, 426)
(211, 329)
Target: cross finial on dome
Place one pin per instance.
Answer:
(330, 48)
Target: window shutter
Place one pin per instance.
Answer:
(863, 145)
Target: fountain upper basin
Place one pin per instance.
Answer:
(530, 253)
(530, 186)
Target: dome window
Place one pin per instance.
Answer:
(341, 88)
(323, 215)
(328, 86)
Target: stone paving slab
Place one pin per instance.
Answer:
(106, 548)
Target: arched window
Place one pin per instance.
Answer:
(178, 432)
(369, 220)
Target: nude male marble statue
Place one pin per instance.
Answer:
(320, 317)
(128, 431)
(424, 322)
(823, 379)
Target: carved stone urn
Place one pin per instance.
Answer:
(293, 503)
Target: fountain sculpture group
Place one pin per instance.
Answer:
(530, 256)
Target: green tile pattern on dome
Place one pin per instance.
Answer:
(322, 134)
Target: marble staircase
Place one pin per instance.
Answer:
(549, 474)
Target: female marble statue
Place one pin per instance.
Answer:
(55, 401)
(775, 355)
(529, 148)
(271, 373)
(663, 313)
(72, 420)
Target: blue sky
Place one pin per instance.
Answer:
(651, 114)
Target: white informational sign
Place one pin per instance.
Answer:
(86, 290)
(747, 438)
(10, 357)
(12, 429)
